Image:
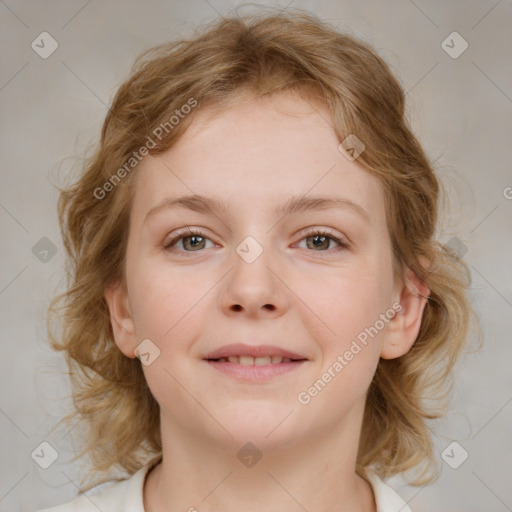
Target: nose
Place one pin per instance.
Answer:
(254, 288)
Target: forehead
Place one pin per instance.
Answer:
(255, 155)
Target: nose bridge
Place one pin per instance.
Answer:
(252, 283)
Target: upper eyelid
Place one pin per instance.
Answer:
(327, 231)
(184, 233)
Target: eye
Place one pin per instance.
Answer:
(319, 240)
(192, 240)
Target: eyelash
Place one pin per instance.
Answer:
(342, 243)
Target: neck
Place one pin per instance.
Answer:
(200, 475)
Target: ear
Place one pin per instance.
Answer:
(120, 317)
(404, 327)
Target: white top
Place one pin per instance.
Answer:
(126, 496)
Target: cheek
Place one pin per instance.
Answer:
(344, 303)
(350, 305)
(349, 350)
(163, 301)
(166, 305)
(363, 322)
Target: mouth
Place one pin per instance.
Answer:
(254, 363)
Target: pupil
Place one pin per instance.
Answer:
(194, 240)
(320, 239)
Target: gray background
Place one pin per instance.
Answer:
(52, 110)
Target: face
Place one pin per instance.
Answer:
(291, 258)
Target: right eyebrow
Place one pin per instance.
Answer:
(196, 203)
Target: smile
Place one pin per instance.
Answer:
(253, 361)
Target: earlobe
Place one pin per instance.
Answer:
(403, 329)
(120, 318)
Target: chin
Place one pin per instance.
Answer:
(259, 423)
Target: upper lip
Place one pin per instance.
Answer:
(239, 349)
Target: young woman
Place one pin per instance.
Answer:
(258, 305)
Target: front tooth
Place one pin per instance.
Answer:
(262, 361)
(246, 360)
(233, 359)
(277, 359)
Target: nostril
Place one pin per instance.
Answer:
(237, 307)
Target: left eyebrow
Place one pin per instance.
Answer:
(304, 203)
(295, 204)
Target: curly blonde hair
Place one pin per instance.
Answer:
(224, 63)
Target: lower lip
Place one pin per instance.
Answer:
(255, 373)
